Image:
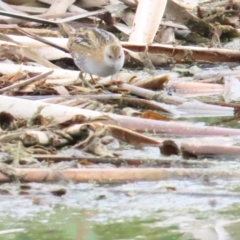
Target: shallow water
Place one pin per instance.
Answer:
(145, 210)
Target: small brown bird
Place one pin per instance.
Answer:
(96, 51)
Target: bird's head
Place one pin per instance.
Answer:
(114, 56)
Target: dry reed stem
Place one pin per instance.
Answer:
(113, 175)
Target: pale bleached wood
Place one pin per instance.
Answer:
(64, 82)
(55, 53)
(8, 7)
(71, 8)
(112, 175)
(58, 77)
(60, 6)
(147, 19)
(42, 49)
(59, 113)
(23, 51)
(34, 43)
(93, 3)
(28, 9)
(6, 68)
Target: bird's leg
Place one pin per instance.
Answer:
(147, 61)
(84, 81)
(92, 79)
(96, 83)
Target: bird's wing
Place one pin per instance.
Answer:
(94, 37)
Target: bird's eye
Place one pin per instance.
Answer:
(119, 56)
(110, 56)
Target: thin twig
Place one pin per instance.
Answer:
(132, 161)
(100, 97)
(26, 82)
(43, 40)
(43, 21)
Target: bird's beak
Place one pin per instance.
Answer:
(116, 65)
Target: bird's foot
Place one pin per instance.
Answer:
(85, 82)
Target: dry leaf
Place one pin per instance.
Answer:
(154, 115)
